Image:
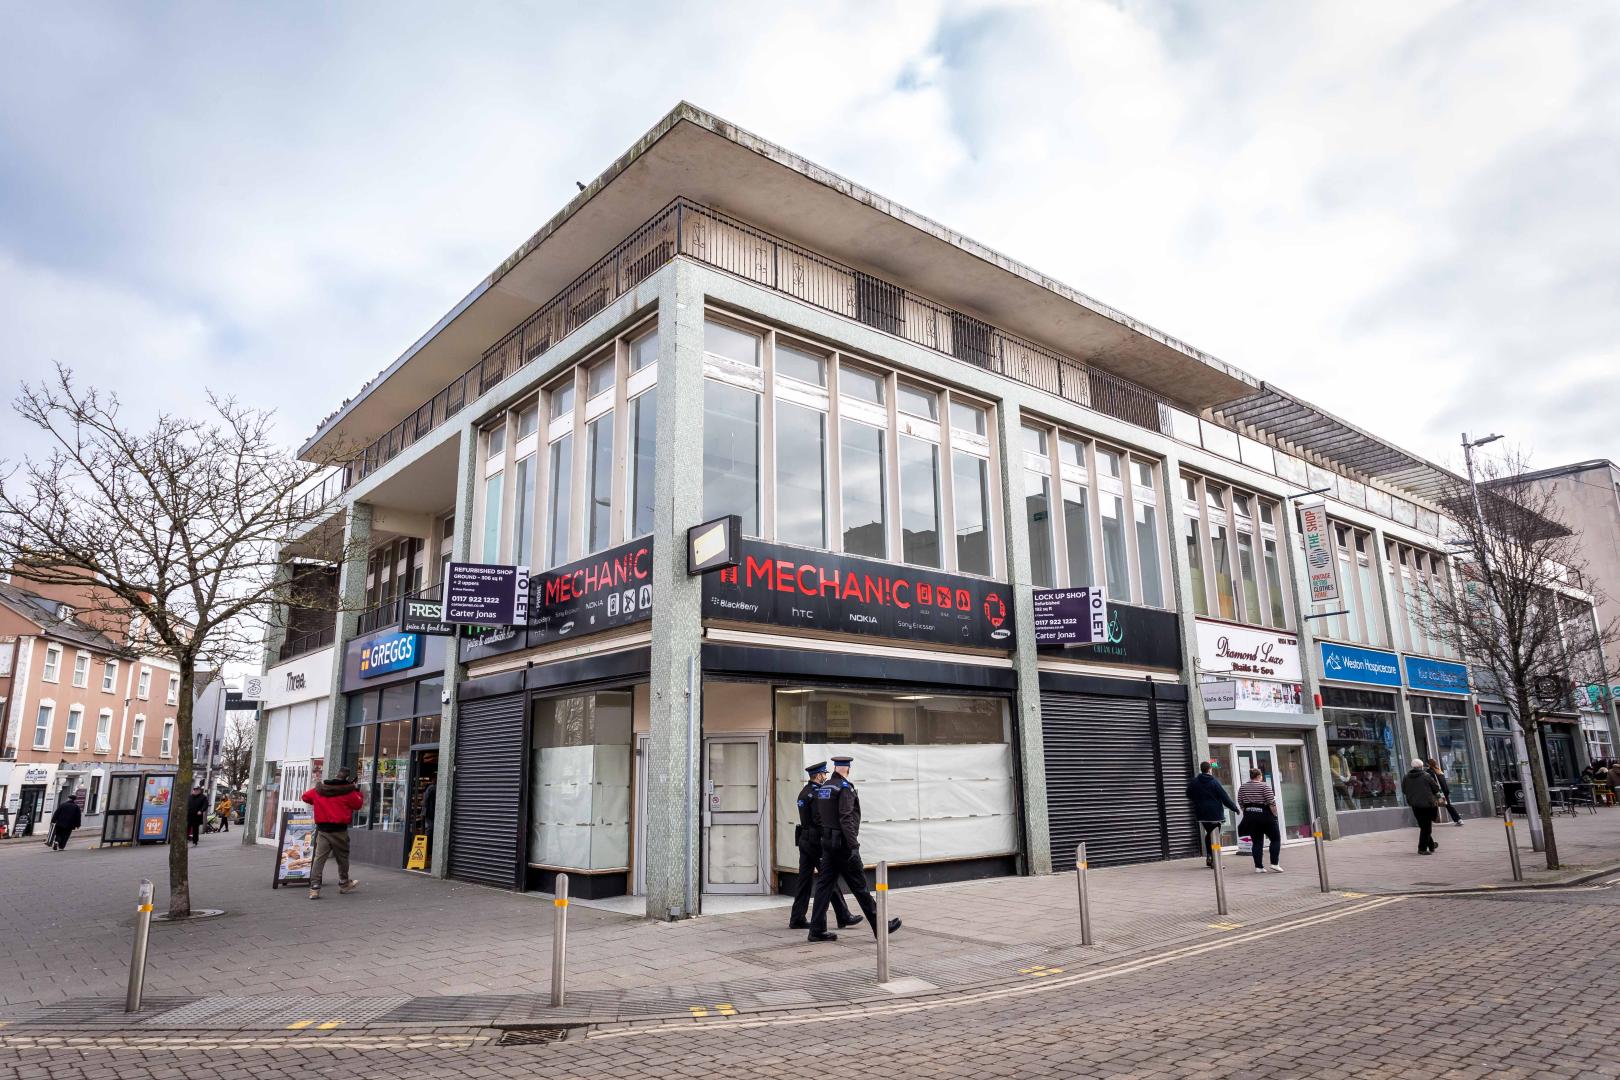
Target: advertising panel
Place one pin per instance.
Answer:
(1321, 564)
(611, 588)
(425, 617)
(1348, 663)
(390, 653)
(1071, 616)
(156, 795)
(817, 590)
(1135, 637)
(295, 852)
(486, 594)
(1247, 651)
(1436, 676)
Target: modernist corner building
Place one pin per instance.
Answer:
(916, 434)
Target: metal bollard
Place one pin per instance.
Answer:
(137, 959)
(1085, 898)
(1220, 879)
(1321, 856)
(559, 940)
(883, 921)
(1513, 849)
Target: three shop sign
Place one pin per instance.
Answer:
(814, 590)
(1071, 616)
(486, 594)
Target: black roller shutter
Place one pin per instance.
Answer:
(486, 801)
(1116, 769)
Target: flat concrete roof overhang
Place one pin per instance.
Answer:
(695, 154)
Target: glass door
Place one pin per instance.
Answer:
(734, 825)
(1282, 765)
(1293, 792)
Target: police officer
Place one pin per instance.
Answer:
(807, 835)
(838, 813)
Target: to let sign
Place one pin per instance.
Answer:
(486, 594)
(1071, 616)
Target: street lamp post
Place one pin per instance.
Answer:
(1538, 841)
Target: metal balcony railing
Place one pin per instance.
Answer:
(384, 614)
(720, 241)
(306, 643)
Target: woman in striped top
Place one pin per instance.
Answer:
(1259, 822)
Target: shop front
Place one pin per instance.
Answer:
(297, 705)
(810, 655)
(1361, 720)
(394, 688)
(1443, 725)
(1118, 749)
(1256, 716)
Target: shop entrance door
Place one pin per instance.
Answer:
(1282, 765)
(29, 809)
(423, 806)
(735, 828)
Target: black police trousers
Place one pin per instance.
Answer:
(809, 860)
(841, 862)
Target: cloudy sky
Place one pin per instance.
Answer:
(1405, 212)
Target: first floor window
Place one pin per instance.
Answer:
(643, 444)
(863, 478)
(731, 453)
(523, 510)
(599, 483)
(1077, 533)
(1038, 515)
(1147, 553)
(109, 676)
(104, 731)
(137, 734)
(970, 495)
(42, 727)
(1195, 567)
(561, 499)
(801, 475)
(919, 501)
(492, 517)
(1116, 570)
(53, 663)
(166, 743)
(1274, 583)
(174, 689)
(81, 669)
(74, 729)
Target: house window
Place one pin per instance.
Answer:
(81, 669)
(109, 676)
(137, 734)
(53, 663)
(104, 731)
(145, 686)
(1233, 533)
(174, 690)
(42, 725)
(75, 728)
(166, 742)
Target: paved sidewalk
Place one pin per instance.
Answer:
(407, 949)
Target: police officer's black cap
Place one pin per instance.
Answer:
(820, 766)
(841, 759)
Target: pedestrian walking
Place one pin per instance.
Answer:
(838, 815)
(1439, 775)
(807, 837)
(66, 818)
(335, 802)
(1210, 802)
(196, 812)
(1422, 792)
(1260, 822)
(223, 809)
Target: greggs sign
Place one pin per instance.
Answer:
(815, 590)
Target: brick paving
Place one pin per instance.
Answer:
(481, 954)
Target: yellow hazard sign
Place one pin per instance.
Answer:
(418, 859)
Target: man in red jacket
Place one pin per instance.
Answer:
(335, 802)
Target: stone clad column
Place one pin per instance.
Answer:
(671, 843)
(1186, 609)
(454, 671)
(351, 601)
(1027, 706)
(1316, 748)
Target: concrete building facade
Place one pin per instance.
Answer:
(917, 434)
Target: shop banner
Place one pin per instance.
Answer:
(1218, 694)
(295, 852)
(1071, 616)
(1268, 695)
(611, 588)
(425, 617)
(486, 594)
(1226, 648)
(156, 796)
(1321, 564)
(1347, 663)
(390, 653)
(1136, 637)
(815, 590)
(1436, 676)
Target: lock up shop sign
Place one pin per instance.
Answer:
(786, 586)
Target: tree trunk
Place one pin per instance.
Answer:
(1538, 778)
(180, 803)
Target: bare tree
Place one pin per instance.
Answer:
(1522, 609)
(176, 533)
(236, 754)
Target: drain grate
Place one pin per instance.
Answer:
(532, 1036)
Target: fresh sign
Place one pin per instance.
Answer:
(1321, 565)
